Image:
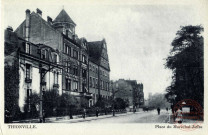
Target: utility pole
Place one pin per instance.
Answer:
(113, 100)
(113, 91)
(41, 95)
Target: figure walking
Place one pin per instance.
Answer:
(158, 110)
(97, 112)
(179, 117)
(84, 113)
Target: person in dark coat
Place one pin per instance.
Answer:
(97, 112)
(84, 113)
(158, 110)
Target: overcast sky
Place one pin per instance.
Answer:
(138, 37)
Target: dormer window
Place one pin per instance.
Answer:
(44, 54)
(27, 50)
(84, 59)
(104, 45)
(55, 57)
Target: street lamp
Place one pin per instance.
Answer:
(113, 92)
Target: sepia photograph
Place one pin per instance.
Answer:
(91, 63)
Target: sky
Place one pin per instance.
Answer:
(138, 36)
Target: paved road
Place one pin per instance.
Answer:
(139, 117)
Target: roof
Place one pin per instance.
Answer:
(95, 49)
(63, 17)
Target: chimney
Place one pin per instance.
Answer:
(9, 28)
(49, 20)
(27, 25)
(39, 12)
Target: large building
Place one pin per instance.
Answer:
(37, 64)
(75, 66)
(99, 70)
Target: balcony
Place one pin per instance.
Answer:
(86, 94)
(43, 83)
(56, 86)
(27, 80)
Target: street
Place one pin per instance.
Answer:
(138, 117)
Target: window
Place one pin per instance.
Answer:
(64, 48)
(90, 67)
(101, 84)
(96, 83)
(75, 86)
(27, 48)
(44, 54)
(75, 70)
(84, 60)
(93, 68)
(68, 67)
(43, 75)
(55, 58)
(55, 78)
(68, 50)
(68, 84)
(28, 71)
(107, 87)
(90, 81)
(75, 54)
(84, 73)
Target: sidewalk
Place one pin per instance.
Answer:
(78, 118)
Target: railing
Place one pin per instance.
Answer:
(27, 80)
(56, 86)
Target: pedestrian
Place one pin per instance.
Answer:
(158, 110)
(97, 112)
(179, 116)
(167, 109)
(84, 113)
(44, 115)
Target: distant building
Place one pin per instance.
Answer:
(130, 91)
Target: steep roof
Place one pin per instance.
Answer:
(95, 49)
(63, 17)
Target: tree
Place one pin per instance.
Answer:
(11, 89)
(158, 100)
(32, 112)
(66, 104)
(120, 103)
(186, 62)
(50, 102)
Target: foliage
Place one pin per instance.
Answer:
(120, 103)
(66, 103)
(104, 103)
(158, 100)
(50, 102)
(11, 89)
(186, 61)
(33, 112)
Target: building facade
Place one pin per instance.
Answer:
(130, 91)
(80, 72)
(99, 71)
(37, 64)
